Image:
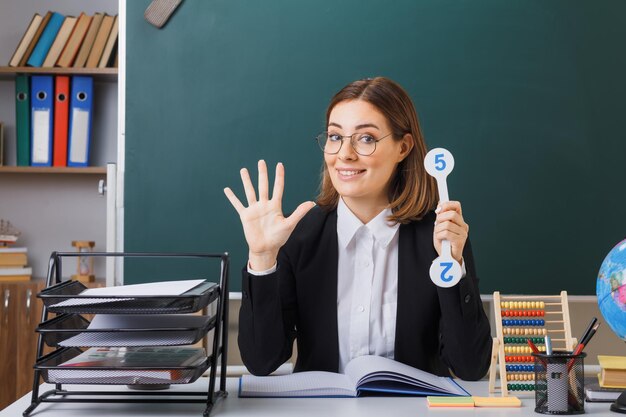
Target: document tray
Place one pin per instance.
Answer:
(66, 297)
(72, 330)
(53, 373)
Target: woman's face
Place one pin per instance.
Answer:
(362, 179)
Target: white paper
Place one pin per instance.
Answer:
(109, 322)
(166, 288)
(41, 136)
(151, 288)
(79, 135)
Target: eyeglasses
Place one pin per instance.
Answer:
(363, 143)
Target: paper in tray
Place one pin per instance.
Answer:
(74, 297)
(107, 330)
(54, 369)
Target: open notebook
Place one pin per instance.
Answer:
(365, 375)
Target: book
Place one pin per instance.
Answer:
(100, 42)
(364, 375)
(35, 39)
(134, 362)
(595, 393)
(25, 41)
(68, 55)
(108, 48)
(59, 42)
(85, 48)
(46, 39)
(13, 257)
(15, 274)
(612, 372)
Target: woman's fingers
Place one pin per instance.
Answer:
(234, 200)
(299, 213)
(263, 181)
(449, 206)
(279, 182)
(247, 186)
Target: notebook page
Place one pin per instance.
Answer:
(358, 369)
(298, 384)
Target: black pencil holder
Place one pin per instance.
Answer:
(559, 383)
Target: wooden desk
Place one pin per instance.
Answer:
(304, 407)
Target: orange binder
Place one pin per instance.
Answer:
(61, 118)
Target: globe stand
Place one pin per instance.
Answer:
(619, 406)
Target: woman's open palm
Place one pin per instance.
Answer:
(265, 227)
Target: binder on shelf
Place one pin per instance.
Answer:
(25, 41)
(81, 101)
(45, 40)
(61, 120)
(59, 42)
(22, 119)
(35, 39)
(90, 36)
(70, 50)
(41, 104)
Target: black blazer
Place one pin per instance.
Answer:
(437, 329)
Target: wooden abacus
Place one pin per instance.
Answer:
(519, 318)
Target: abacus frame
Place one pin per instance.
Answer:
(559, 330)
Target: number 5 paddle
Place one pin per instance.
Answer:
(445, 271)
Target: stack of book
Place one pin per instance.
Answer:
(612, 371)
(14, 264)
(54, 40)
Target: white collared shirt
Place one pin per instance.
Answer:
(367, 285)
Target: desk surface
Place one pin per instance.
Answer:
(235, 406)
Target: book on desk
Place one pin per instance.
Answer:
(364, 376)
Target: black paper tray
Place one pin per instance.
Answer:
(53, 373)
(70, 291)
(67, 326)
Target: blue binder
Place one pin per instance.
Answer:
(45, 40)
(80, 121)
(41, 117)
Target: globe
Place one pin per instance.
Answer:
(611, 289)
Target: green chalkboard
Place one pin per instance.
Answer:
(527, 95)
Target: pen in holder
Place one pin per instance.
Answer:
(559, 383)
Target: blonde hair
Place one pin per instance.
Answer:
(412, 192)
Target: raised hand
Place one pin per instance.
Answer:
(264, 226)
(451, 226)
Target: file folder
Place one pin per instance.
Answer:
(45, 40)
(41, 102)
(61, 120)
(22, 119)
(80, 121)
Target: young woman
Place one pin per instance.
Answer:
(350, 276)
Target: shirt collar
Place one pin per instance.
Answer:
(348, 224)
